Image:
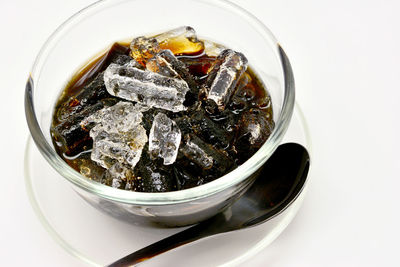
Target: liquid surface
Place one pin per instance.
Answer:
(215, 132)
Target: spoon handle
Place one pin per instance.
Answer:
(181, 238)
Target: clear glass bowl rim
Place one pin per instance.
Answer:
(139, 198)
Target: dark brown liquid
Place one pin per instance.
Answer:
(224, 132)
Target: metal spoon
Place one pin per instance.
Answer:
(280, 182)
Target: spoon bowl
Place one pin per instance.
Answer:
(279, 183)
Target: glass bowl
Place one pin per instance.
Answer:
(104, 22)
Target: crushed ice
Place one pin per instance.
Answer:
(164, 138)
(117, 135)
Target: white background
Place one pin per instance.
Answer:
(345, 56)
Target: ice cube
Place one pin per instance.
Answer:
(117, 135)
(109, 148)
(119, 118)
(145, 87)
(255, 127)
(165, 63)
(143, 48)
(196, 154)
(205, 155)
(164, 139)
(212, 49)
(224, 76)
(182, 40)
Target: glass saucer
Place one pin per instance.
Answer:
(97, 239)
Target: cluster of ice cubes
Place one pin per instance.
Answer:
(155, 78)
